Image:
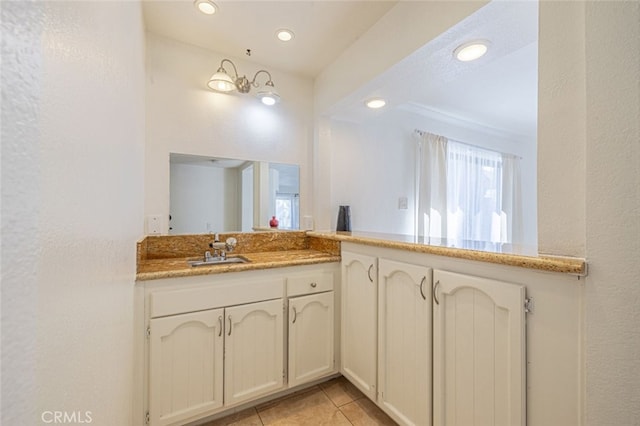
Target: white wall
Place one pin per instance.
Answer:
(383, 152)
(561, 128)
(204, 199)
(612, 212)
(184, 116)
(72, 188)
(371, 167)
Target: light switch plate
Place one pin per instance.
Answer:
(403, 203)
(154, 225)
(307, 223)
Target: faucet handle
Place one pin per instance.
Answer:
(231, 243)
(216, 238)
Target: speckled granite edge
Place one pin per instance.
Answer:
(166, 256)
(565, 265)
(324, 245)
(221, 269)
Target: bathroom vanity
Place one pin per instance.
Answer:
(216, 337)
(427, 333)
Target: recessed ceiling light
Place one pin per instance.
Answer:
(284, 35)
(375, 103)
(471, 51)
(206, 6)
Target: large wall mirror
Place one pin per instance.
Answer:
(212, 194)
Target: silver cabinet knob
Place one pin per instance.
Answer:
(314, 285)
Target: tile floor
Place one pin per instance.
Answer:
(336, 402)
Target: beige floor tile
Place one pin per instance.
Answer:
(363, 412)
(340, 391)
(248, 417)
(274, 402)
(308, 408)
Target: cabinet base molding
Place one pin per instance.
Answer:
(272, 397)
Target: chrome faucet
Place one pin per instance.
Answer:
(220, 249)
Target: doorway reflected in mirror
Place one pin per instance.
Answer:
(213, 194)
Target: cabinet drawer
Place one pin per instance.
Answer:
(309, 283)
(164, 302)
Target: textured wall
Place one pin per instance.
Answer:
(613, 213)
(561, 129)
(72, 187)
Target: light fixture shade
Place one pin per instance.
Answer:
(221, 82)
(268, 94)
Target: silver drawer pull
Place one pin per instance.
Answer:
(314, 285)
(421, 285)
(229, 334)
(295, 315)
(220, 325)
(369, 272)
(435, 292)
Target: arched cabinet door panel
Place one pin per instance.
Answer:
(479, 352)
(254, 350)
(404, 341)
(310, 337)
(359, 321)
(186, 366)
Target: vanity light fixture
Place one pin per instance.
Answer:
(221, 81)
(284, 35)
(206, 6)
(375, 103)
(471, 51)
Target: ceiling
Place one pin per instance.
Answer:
(499, 91)
(496, 93)
(323, 29)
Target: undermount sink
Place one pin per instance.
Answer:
(219, 261)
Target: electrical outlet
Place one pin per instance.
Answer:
(403, 203)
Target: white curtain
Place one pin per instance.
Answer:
(513, 230)
(467, 195)
(431, 218)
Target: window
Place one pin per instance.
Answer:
(467, 196)
(474, 194)
(287, 210)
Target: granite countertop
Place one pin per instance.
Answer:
(168, 256)
(153, 269)
(492, 253)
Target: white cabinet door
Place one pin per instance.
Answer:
(310, 337)
(404, 342)
(254, 348)
(359, 322)
(185, 375)
(479, 351)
